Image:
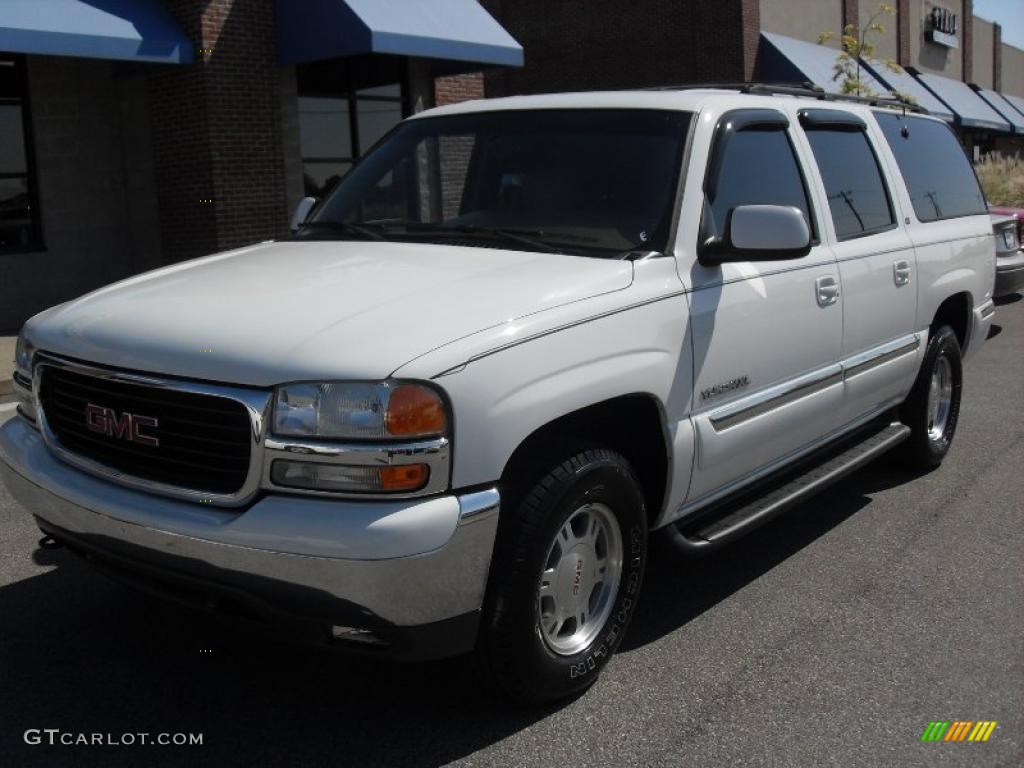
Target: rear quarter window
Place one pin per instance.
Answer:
(939, 176)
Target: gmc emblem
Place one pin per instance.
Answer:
(105, 421)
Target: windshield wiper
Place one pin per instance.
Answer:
(520, 236)
(527, 238)
(345, 228)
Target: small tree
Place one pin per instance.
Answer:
(856, 44)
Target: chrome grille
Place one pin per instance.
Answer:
(205, 440)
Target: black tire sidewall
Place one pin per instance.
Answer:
(926, 451)
(516, 640)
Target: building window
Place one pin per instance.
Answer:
(19, 214)
(337, 126)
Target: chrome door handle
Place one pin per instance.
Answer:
(901, 272)
(827, 289)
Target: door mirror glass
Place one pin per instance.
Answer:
(302, 210)
(762, 233)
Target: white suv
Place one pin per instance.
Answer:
(602, 313)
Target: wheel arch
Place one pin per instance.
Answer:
(634, 425)
(955, 311)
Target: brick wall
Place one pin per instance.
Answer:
(903, 32)
(967, 40)
(750, 12)
(451, 90)
(997, 57)
(851, 13)
(598, 44)
(218, 140)
(454, 152)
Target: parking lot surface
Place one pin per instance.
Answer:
(832, 636)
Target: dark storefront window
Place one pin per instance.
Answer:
(19, 223)
(338, 122)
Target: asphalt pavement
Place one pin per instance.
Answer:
(832, 636)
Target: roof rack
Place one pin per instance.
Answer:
(805, 90)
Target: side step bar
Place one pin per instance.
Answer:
(729, 520)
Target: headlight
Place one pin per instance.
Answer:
(359, 411)
(1010, 239)
(23, 378)
(23, 353)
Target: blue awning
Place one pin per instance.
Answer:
(968, 107)
(1000, 105)
(135, 30)
(1014, 101)
(904, 83)
(450, 30)
(788, 60)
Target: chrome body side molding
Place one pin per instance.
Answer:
(783, 394)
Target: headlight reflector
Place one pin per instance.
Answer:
(358, 410)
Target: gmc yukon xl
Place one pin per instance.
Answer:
(521, 335)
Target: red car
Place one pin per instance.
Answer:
(1009, 254)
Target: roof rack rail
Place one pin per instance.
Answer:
(806, 90)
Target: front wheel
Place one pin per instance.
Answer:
(565, 578)
(932, 409)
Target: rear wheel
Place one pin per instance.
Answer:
(932, 409)
(565, 578)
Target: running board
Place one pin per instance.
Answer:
(727, 521)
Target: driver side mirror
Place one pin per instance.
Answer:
(302, 210)
(760, 233)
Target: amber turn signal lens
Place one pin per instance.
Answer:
(410, 477)
(414, 411)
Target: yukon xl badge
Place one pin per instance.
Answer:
(728, 386)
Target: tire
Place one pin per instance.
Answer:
(546, 561)
(932, 428)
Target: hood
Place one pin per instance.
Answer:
(289, 311)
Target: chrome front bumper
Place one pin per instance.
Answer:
(380, 567)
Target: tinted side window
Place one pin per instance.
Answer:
(939, 176)
(758, 168)
(856, 191)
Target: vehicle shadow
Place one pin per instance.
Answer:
(88, 656)
(678, 589)
(1012, 298)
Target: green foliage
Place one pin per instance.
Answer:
(1002, 179)
(856, 44)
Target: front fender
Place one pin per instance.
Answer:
(502, 394)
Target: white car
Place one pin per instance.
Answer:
(517, 338)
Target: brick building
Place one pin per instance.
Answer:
(956, 64)
(135, 133)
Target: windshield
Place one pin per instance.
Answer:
(593, 182)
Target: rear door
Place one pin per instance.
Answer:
(876, 260)
(766, 334)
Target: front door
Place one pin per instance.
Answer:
(766, 334)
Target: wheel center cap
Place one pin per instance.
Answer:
(574, 576)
